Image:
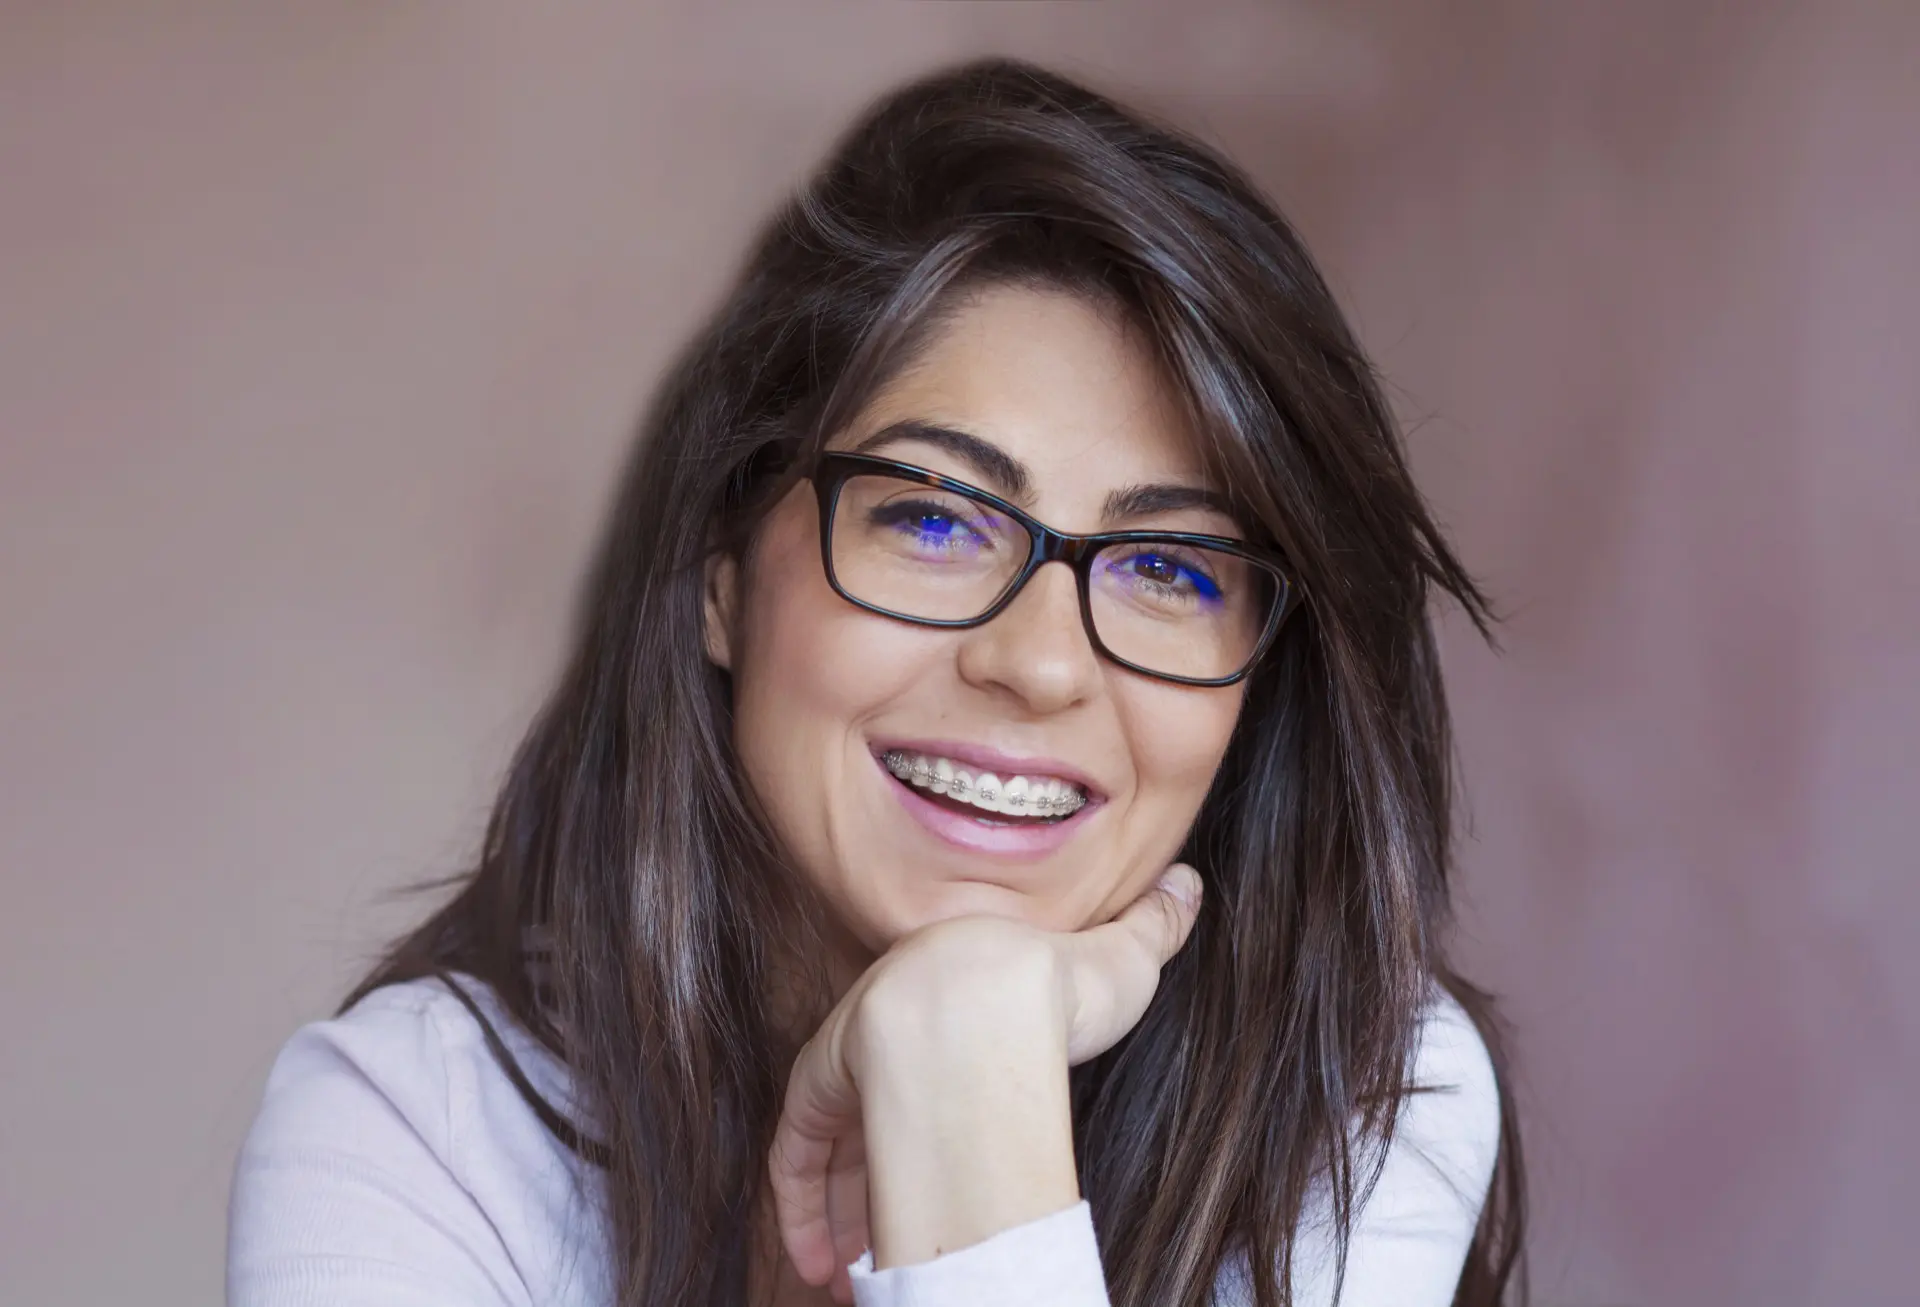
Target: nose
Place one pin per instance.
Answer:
(1036, 651)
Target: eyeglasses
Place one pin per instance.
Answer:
(913, 545)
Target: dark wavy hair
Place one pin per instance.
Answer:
(630, 905)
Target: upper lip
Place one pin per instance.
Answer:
(993, 760)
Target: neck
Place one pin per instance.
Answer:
(806, 977)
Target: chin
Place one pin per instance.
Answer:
(931, 904)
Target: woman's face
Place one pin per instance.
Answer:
(1067, 399)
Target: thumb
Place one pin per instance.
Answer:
(1160, 920)
(1116, 967)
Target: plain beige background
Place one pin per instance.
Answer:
(323, 326)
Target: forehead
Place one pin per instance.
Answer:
(1061, 383)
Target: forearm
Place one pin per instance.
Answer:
(968, 1125)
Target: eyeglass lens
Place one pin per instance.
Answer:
(1177, 609)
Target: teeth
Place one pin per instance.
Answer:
(1015, 796)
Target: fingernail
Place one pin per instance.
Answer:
(1183, 882)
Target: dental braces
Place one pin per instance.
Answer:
(959, 787)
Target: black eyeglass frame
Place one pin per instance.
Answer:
(833, 470)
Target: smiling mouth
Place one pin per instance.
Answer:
(989, 799)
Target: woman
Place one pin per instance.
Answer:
(877, 908)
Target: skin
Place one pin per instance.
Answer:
(973, 980)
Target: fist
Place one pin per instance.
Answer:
(962, 1007)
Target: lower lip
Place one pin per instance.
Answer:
(1022, 842)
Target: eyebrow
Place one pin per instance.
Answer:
(1014, 481)
(1002, 470)
(1146, 500)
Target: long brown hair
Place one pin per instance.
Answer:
(629, 904)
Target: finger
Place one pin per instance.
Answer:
(821, 1103)
(1115, 968)
(1158, 922)
(847, 1207)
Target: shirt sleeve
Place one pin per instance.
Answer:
(344, 1193)
(1050, 1262)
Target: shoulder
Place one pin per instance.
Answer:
(408, 1053)
(1411, 1230)
(413, 1055)
(391, 1143)
(1450, 1120)
(392, 1046)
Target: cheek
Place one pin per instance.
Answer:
(811, 670)
(1175, 738)
(809, 659)
(813, 673)
(791, 643)
(1178, 737)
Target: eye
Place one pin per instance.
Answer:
(932, 523)
(1164, 571)
(1155, 567)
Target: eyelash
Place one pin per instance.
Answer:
(1204, 583)
(909, 512)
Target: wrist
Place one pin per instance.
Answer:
(967, 1115)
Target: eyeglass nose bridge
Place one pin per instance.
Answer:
(1051, 546)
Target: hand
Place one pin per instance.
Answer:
(970, 992)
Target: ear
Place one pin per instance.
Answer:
(722, 588)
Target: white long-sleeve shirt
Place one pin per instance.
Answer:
(394, 1164)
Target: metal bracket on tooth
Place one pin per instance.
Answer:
(906, 769)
